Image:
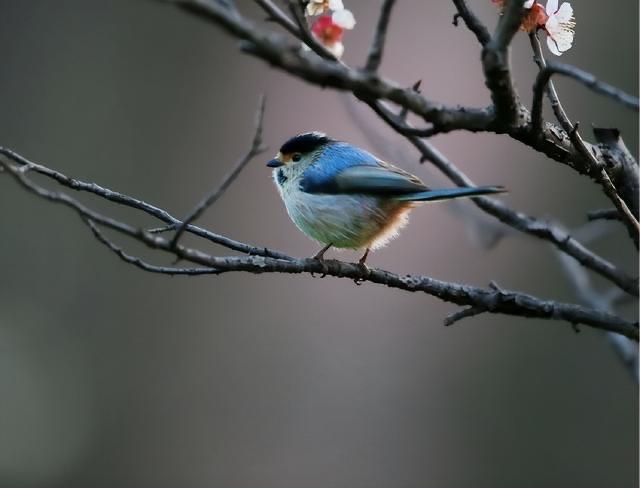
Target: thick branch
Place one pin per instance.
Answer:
(278, 16)
(496, 66)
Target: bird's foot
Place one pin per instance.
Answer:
(319, 256)
(365, 269)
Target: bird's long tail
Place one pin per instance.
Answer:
(449, 193)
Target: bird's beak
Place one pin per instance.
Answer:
(275, 163)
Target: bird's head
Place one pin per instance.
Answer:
(299, 152)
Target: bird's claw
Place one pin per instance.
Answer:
(365, 272)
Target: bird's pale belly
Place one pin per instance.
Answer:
(347, 221)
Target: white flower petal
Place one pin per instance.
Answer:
(529, 3)
(344, 18)
(551, 44)
(552, 26)
(564, 40)
(314, 8)
(336, 5)
(337, 49)
(565, 13)
(552, 7)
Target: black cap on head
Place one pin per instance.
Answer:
(304, 143)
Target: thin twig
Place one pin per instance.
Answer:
(626, 350)
(154, 211)
(603, 214)
(139, 263)
(524, 223)
(377, 46)
(454, 317)
(397, 123)
(599, 173)
(256, 148)
(500, 302)
(278, 16)
(472, 22)
(512, 118)
(587, 79)
(305, 33)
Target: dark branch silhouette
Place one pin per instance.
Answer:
(608, 163)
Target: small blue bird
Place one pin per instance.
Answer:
(345, 197)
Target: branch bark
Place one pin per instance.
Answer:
(491, 300)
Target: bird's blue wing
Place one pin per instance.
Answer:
(342, 168)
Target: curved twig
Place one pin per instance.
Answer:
(377, 46)
(493, 300)
(256, 148)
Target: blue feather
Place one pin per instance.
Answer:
(334, 158)
(448, 194)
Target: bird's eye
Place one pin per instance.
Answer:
(296, 157)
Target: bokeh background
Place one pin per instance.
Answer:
(113, 377)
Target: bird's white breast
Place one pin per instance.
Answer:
(347, 221)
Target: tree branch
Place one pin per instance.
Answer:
(135, 203)
(585, 291)
(521, 222)
(212, 197)
(143, 265)
(377, 46)
(278, 16)
(472, 22)
(496, 66)
(603, 214)
(598, 172)
(494, 301)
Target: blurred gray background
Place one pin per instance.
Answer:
(113, 377)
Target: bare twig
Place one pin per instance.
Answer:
(598, 172)
(524, 223)
(143, 265)
(472, 22)
(278, 16)
(587, 79)
(454, 317)
(502, 302)
(603, 214)
(135, 203)
(377, 46)
(397, 122)
(512, 118)
(585, 291)
(256, 148)
(544, 76)
(305, 33)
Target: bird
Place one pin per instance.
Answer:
(345, 197)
